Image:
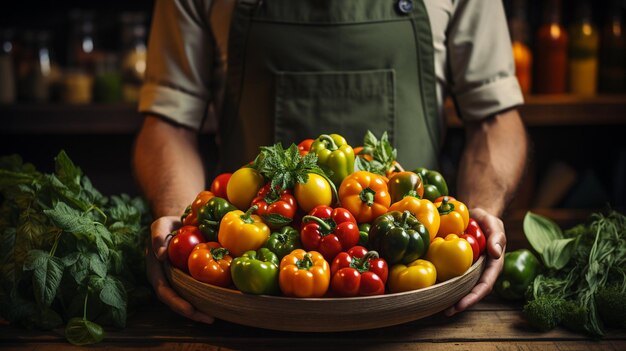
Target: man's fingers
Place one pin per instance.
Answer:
(160, 230)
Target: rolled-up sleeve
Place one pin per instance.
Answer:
(481, 68)
(180, 58)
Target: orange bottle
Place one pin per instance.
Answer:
(523, 57)
(551, 52)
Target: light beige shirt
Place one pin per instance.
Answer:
(189, 41)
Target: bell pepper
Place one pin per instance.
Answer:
(240, 232)
(334, 154)
(474, 235)
(399, 237)
(210, 263)
(256, 272)
(519, 271)
(210, 216)
(304, 274)
(416, 275)
(403, 184)
(190, 217)
(452, 256)
(474, 244)
(434, 183)
(305, 146)
(358, 272)
(276, 209)
(282, 242)
(454, 216)
(364, 230)
(365, 195)
(424, 210)
(329, 231)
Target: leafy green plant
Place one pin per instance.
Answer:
(69, 253)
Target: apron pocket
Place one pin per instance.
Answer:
(308, 104)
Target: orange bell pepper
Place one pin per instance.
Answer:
(454, 216)
(424, 210)
(191, 213)
(240, 232)
(210, 263)
(451, 256)
(304, 274)
(365, 195)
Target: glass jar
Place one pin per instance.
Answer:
(134, 54)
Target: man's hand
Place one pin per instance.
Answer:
(160, 230)
(493, 228)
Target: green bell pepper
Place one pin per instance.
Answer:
(399, 237)
(434, 183)
(210, 215)
(518, 273)
(364, 229)
(335, 155)
(284, 241)
(256, 272)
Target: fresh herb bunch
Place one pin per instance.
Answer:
(383, 155)
(69, 254)
(584, 287)
(285, 168)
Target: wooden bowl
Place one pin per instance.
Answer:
(323, 314)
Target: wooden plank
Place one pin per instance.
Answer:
(295, 344)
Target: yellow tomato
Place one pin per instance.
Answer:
(243, 186)
(316, 191)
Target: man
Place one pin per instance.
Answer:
(283, 71)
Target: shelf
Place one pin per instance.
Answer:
(564, 110)
(123, 118)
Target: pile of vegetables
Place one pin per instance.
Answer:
(69, 255)
(319, 219)
(580, 279)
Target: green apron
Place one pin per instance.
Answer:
(298, 69)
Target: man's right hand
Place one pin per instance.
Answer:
(154, 258)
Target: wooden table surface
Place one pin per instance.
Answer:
(491, 325)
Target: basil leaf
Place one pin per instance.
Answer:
(276, 219)
(361, 164)
(67, 172)
(540, 231)
(113, 293)
(558, 253)
(83, 332)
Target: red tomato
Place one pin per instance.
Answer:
(182, 244)
(305, 146)
(218, 187)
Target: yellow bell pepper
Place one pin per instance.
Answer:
(424, 210)
(304, 274)
(416, 275)
(453, 214)
(451, 256)
(240, 232)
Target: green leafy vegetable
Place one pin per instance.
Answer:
(383, 154)
(540, 231)
(64, 243)
(285, 168)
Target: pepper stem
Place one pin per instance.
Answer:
(324, 226)
(363, 264)
(445, 207)
(246, 216)
(412, 193)
(218, 253)
(332, 146)
(367, 195)
(405, 218)
(305, 263)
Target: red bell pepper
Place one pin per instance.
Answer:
(276, 209)
(474, 230)
(329, 231)
(359, 272)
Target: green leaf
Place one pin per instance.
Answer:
(11, 179)
(558, 252)
(119, 316)
(80, 269)
(369, 140)
(276, 219)
(70, 259)
(113, 293)
(540, 231)
(47, 274)
(83, 332)
(97, 265)
(67, 172)
(78, 223)
(361, 164)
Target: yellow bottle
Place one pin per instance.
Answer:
(583, 53)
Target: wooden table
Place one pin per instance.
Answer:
(491, 325)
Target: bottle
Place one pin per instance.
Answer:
(107, 85)
(551, 52)
(44, 72)
(134, 54)
(522, 56)
(7, 69)
(83, 49)
(583, 52)
(612, 54)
